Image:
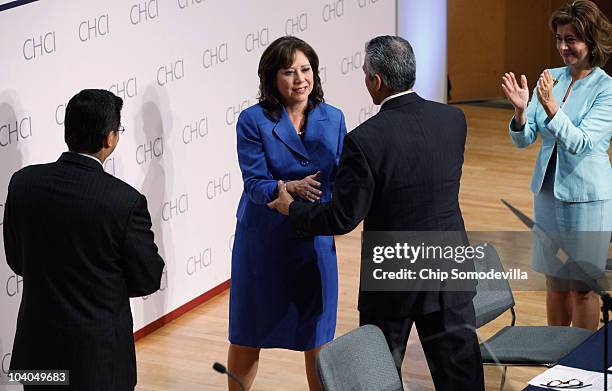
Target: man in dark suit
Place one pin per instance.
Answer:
(400, 171)
(82, 241)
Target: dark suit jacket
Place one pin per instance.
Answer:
(399, 171)
(82, 241)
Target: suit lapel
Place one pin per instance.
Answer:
(285, 131)
(315, 129)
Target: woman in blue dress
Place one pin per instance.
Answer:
(284, 288)
(571, 109)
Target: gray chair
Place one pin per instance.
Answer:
(358, 361)
(517, 345)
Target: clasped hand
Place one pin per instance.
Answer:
(307, 188)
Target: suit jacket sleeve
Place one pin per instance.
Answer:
(259, 184)
(142, 264)
(351, 198)
(13, 256)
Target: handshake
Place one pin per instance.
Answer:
(307, 189)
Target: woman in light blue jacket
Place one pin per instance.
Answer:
(571, 109)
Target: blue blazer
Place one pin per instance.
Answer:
(284, 286)
(582, 129)
(270, 150)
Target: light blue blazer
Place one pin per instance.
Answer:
(582, 129)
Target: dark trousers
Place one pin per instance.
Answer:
(449, 341)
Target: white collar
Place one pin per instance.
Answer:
(92, 157)
(395, 96)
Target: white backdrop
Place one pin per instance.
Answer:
(185, 69)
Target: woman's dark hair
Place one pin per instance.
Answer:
(592, 26)
(279, 55)
(90, 116)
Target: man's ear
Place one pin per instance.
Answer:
(378, 81)
(110, 140)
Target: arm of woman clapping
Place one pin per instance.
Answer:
(523, 131)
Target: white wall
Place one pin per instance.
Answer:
(179, 146)
(424, 25)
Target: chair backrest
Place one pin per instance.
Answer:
(358, 361)
(493, 297)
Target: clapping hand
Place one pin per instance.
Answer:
(518, 95)
(545, 94)
(307, 188)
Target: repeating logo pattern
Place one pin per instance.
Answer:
(185, 69)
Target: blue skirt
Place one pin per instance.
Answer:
(583, 229)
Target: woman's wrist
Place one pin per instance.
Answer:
(519, 119)
(551, 109)
(290, 185)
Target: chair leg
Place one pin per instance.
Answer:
(503, 379)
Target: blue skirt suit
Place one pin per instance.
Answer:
(572, 180)
(284, 288)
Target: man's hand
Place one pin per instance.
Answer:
(282, 202)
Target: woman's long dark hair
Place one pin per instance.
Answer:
(279, 55)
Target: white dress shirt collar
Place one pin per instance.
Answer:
(395, 96)
(92, 157)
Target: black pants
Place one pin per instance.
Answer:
(449, 341)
